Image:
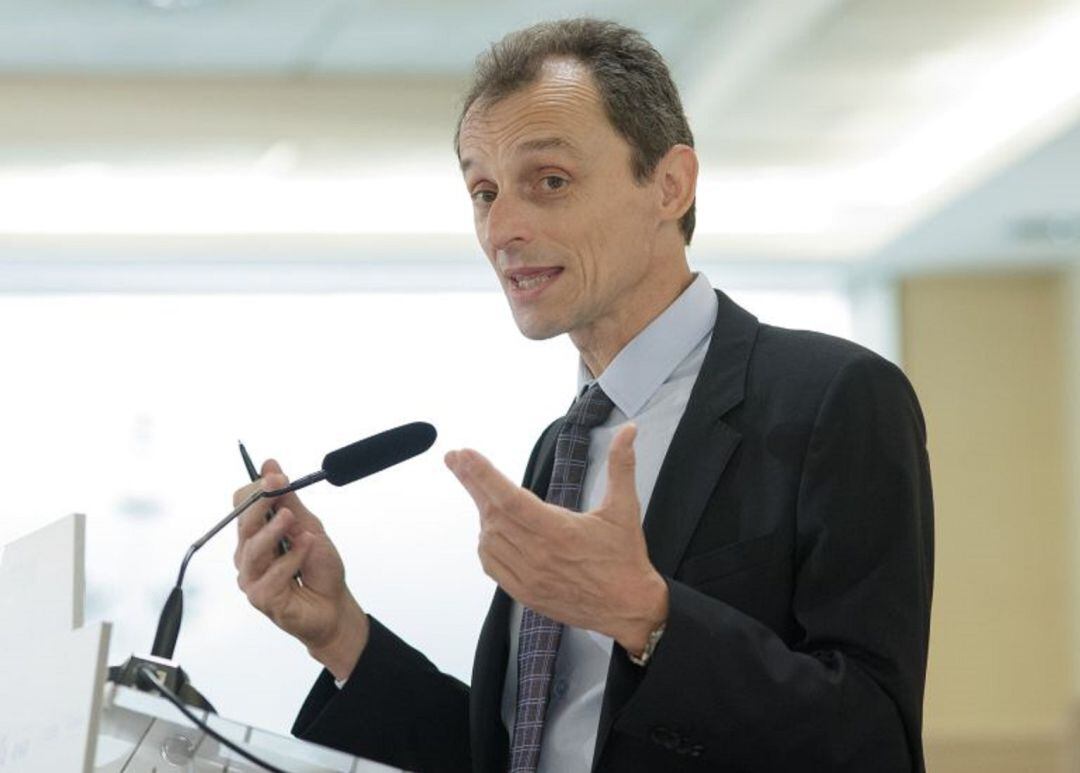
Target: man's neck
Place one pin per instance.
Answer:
(604, 339)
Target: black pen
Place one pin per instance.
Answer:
(283, 543)
(251, 471)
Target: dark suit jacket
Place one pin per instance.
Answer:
(793, 520)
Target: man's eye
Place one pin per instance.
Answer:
(554, 182)
(483, 196)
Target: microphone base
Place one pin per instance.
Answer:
(167, 671)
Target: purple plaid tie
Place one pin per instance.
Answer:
(538, 639)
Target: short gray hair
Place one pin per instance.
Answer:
(639, 95)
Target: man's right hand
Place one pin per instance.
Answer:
(319, 611)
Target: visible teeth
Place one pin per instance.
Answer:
(527, 283)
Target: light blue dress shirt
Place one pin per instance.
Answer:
(649, 381)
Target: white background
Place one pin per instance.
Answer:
(128, 407)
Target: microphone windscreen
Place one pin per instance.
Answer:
(370, 455)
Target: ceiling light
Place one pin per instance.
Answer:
(173, 5)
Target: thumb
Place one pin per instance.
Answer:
(621, 495)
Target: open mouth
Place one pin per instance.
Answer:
(532, 278)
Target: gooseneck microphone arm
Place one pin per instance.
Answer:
(168, 630)
(296, 485)
(240, 508)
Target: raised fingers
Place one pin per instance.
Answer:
(244, 492)
(252, 520)
(256, 553)
(479, 477)
(267, 592)
(273, 478)
(493, 493)
(498, 568)
(494, 542)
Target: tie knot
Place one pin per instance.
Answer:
(591, 409)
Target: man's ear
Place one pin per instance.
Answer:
(677, 174)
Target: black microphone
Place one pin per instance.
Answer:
(376, 453)
(360, 459)
(343, 466)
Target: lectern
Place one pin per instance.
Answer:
(59, 715)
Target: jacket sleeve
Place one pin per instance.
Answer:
(845, 692)
(396, 708)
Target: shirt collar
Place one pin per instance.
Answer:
(646, 362)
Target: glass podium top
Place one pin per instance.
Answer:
(142, 733)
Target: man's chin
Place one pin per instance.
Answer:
(537, 329)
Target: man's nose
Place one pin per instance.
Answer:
(508, 222)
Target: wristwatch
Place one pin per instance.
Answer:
(650, 647)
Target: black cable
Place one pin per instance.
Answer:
(170, 696)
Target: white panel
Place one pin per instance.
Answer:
(50, 675)
(50, 699)
(43, 580)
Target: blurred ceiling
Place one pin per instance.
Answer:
(299, 37)
(829, 130)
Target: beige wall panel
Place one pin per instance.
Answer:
(1072, 411)
(394, 110)
(994, 755)
(986, 356)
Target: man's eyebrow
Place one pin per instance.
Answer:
(533, 146)
(548, 143)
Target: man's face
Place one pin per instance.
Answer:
(557, 210)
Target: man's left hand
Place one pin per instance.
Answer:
(589, 570)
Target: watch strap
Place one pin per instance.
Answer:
(650, 647)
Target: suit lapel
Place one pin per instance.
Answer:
(700, 450)
(703, 443)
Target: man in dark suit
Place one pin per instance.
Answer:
(770, 612)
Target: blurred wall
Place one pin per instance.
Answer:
(986, 355)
